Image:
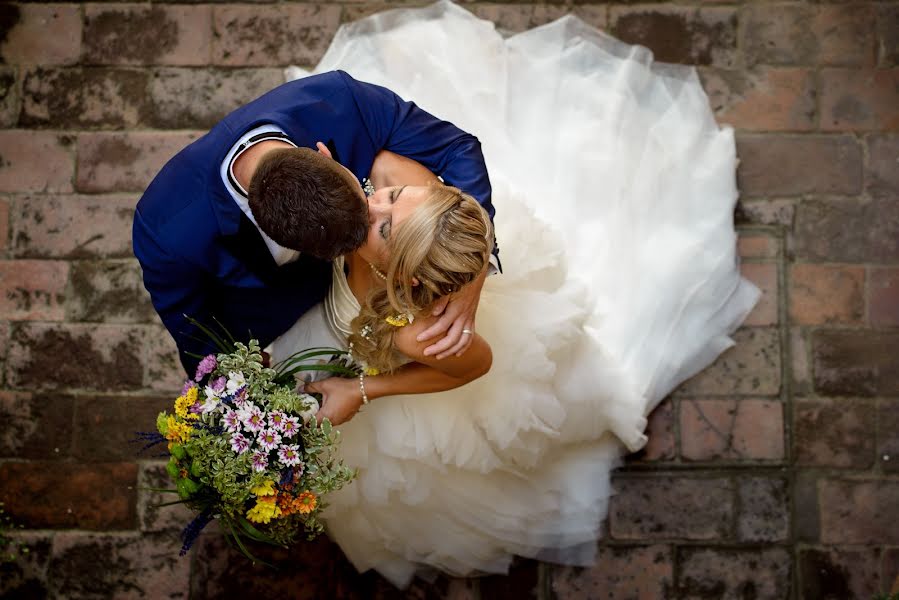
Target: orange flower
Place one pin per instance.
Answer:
(306, 503)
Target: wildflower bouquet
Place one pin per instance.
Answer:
(245, 447)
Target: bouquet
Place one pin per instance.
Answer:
(245, 447)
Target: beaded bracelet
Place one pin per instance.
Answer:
(362, 387)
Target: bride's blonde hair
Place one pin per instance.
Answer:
(444, 244)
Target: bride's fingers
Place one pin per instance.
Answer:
(452, 342)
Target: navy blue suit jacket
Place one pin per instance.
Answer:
(202, 257)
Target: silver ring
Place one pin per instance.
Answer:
(466, 332)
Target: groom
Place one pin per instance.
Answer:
(241, 225)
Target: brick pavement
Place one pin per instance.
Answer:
(774, 474)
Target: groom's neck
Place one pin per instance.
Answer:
(246, 164)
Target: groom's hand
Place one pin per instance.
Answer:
(457, 314)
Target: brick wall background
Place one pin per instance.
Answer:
(774, 474)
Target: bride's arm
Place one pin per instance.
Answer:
(392, 169)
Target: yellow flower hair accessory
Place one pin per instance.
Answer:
(400, 320)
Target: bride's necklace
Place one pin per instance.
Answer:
(376, 270)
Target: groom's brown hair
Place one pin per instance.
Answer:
(307, 202)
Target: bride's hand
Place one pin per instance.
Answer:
(341, 399)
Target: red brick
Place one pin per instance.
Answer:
(163, 372)
(834, 433)
(35, 426)
(119, 418)
(57, 495)
(40, 162)
(763, 275)
(859, 512)
(764, 514)
(856, 363)
(132, 566)
(4, 226)
(731, 429)
(32, 289)
(839, 572)
(198, 99)
(882, 170)
(660, 431)
(703, 36)
(515, 18)
(48, 34)
(108, 292)
(801, 365)
(883, 296)
(792, 165)
(125, 162)
(84, 97)
(9, 98)
(843, 34)
(294, 34)
(888, 435)
(138, 34)
(847, 230)
(859, 99)
(655, 508)
(152, 517)
(887, 26)
(619, 572)
(725, 573)
(109, 357)
(827, 294)
(72, 226)
(752, 366)
(890, 580)
(751, 245)
(779, 211)
(762, 99)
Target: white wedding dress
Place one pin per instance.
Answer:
(614, 191)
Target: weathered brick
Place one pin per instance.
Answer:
(108, 356)
(752, 245)
(151, 515)
(138, 34)
(859, 99)
(731, 429)
(883, 296)
(660, 431)
(890, 579)
(45, 34)
(764, 509)
(4, 347)
(25, 577)
(58, 495)
(882, 169)
(9, 97)
(835, 433)
(859, 512)
(4, 226)
(198, 99)
(764, 275)
(703, 36)
(790, 164)
(125, 162)
(887, 26)
(132, 566)
(722, 573)
(72, 226)
(35, 426)
(778, 212)
(762, 99)
(120, 418)
(32, 289)
(521, 581)
(827, 294)
(806, 521)
(35, 161)
(515, 18)
(839, 573)
(619, 572)
(163, 371)
(802, 34)
(652, 508)
(888, 435)
(752, 366)
(294, 34)
(856, 363)
(847, 230)
(108, 292)
(801, 371)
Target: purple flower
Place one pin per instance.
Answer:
(289, 454)
(268, 439)
(254, 420)
(196, 408)
(239, 443)
(186, 388)
(206, 366)
(290, 426)
(276, 420)
(260, 460)
(218, 385)
(231, 420)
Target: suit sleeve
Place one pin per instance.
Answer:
(176, 289)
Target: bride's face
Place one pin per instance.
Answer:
(387, 209)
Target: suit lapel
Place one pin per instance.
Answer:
(249, 248)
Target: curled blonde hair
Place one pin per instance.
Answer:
(444, 244)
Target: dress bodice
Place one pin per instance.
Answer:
(340, 305)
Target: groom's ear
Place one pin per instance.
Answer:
(322, 149)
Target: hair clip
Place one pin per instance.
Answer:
(400, 320)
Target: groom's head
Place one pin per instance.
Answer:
(307, 202)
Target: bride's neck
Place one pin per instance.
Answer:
(360, 276)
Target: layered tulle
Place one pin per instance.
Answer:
(614, 191)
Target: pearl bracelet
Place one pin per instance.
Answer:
(362, 387)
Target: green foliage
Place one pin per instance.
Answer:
(894, 596)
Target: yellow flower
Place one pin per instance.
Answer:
(266, 488)
(177, 431)
(371, 371)
(398, 320)
(306, 502)
(181, 406)
(264, 511)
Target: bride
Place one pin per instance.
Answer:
(614, 190)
